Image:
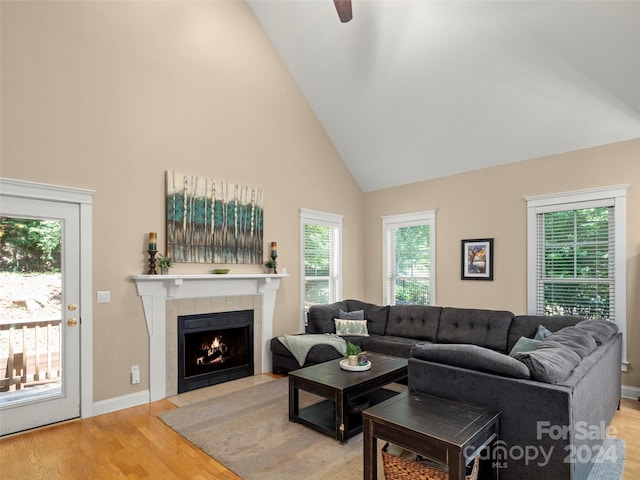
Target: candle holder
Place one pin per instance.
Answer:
(152, 262)
(275, 264)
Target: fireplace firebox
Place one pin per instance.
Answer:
(214, 348)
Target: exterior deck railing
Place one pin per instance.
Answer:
(29, 354)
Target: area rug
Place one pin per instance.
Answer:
(249, 432)
(609, 463)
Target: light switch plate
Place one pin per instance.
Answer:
(103, 296)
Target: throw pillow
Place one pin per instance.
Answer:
(600, 330)
(356, 328)
(472, 357)
(524, 344)
(573, 338)
(354, 315)
(542, 333)
(550, 365)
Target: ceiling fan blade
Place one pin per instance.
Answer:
(344, 10)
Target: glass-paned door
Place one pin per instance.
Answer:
(39, 313)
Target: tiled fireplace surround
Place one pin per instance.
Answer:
(165, 297)
(193, 306)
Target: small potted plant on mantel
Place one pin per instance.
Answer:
(165, 263)
(271, 265)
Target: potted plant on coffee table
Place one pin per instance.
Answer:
(353, 351)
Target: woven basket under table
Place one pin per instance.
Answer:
(398, 468)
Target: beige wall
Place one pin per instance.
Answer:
(109, 95)
(490, 203)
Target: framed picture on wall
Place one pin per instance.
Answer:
(477, 259)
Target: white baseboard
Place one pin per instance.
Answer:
(118, 403)
(140, 398)
(630, 392)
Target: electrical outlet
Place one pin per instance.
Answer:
(135, 374)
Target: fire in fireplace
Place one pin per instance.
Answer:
(214, 348)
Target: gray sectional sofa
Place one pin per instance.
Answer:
(557, 394)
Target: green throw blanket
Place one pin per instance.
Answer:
(299, 345)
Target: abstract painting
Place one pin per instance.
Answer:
(212, 221)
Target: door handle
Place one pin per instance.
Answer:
(72, 307)
(72, 322)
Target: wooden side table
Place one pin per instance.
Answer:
(451, 433)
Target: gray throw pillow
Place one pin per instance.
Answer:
(524, 344)
(600, 330)
(542, 333)
(573, 338)
(472, 357)
(355, 315)
(550, 365)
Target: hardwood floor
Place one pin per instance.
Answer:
(133, 444)
(626, 425)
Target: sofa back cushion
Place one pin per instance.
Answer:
(414, 321)
(550, 362)
(485, 328)
(375, 315)
(472, 357)
(574, 339)
(600, 330)
(527, 325)
(320, 317)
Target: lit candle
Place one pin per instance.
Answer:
(153, 241)
(274, 249)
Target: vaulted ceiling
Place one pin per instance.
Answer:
(415, 90)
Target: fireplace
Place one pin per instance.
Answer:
(214, 348)
(166, 297)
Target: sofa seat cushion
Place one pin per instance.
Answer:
(472, 357)
(419, 322)
(389, 345)
(484, 328)
(318, 353)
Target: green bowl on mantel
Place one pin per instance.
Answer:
(221, 271)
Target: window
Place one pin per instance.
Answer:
(321, 246)
(408, 247)
(576, 259)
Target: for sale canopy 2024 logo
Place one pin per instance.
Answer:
(540, 455)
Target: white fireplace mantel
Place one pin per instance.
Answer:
(155, 290)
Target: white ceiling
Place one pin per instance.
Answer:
(414, 90)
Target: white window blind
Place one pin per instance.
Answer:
(321, 245)
(576, 260)
(409, 256)
(575, 265)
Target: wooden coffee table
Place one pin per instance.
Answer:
(342, 388)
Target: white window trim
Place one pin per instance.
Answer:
(615, 196)
(425, 217)
(331, 220)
